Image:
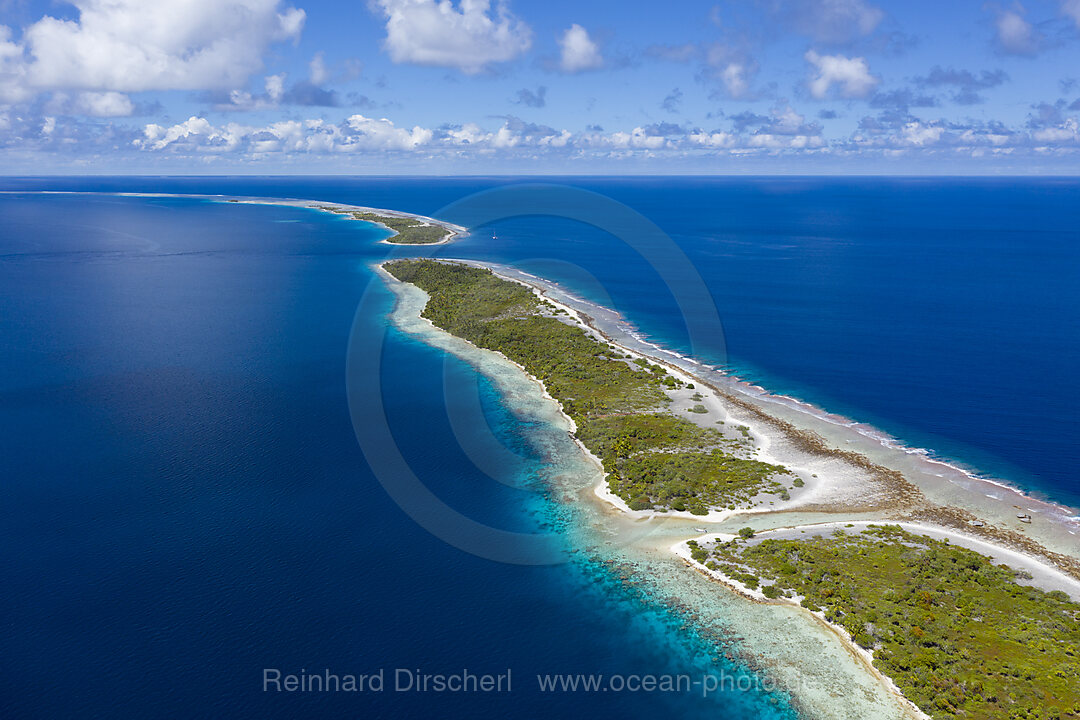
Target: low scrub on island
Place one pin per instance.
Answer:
(653, 459)
(956, 633)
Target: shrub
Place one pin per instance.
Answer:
(746, 533)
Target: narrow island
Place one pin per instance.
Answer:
(954, 629)
(407, 229)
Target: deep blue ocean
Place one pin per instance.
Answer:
(184, 502)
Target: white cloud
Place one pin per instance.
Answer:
(382, 134)
(132, 45)
(1015, 35)
(713, 140)
(93, 104)
(275, 87)
(468, 36)
(850, 75)
(1068, 131)
(317, 72)
(12, 69)
(734, 78)
(786, 132)
(732, 68)
(104, 104)
(786, 121)
(158, 137)
(917, 134)
(121, 46)
(356, 132)
(778, 142)
(468, 134)
(579, 52)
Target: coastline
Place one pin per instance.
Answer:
(839, 498)
(454, 232)
(865, 657)
(851, 493)
(876, 473)
(776, 644)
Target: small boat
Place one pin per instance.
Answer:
(1024, 518)
(701, 530)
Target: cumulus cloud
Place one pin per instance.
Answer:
(849, 76)
(1014, 35)
(919, 134)
(131, 45)
(104, 104)
(514, 133)
(782, 128)
(12, 69)
(783, 131)
(973, 138)
(731, 69)
(197, 134)
(383, 134)
(1067, 131)
(578, 51)
(468, 36)
(785, 121)
(718, 139)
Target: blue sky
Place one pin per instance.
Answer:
(472, 86)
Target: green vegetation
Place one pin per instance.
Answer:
(653, 458)
(692, 481)
(955, 632)
(408, 231)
